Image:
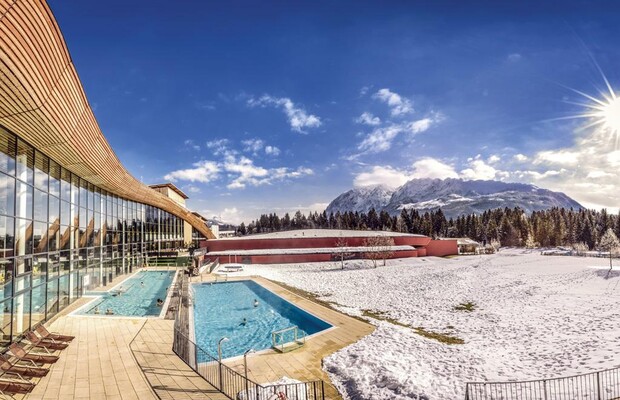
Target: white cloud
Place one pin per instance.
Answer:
(424, 168)
(432, 168)
(563, 158)
(298, 118)
(381, 175)
(398, 105)
(241, 172)
(493, 159)
(479, 169)
(203, 171)
(520, 157)
(192, 189)
(218, 146)
(514, 57)
(272, 151)
(381, 138)
(368, 119)
(253, 145)
(189, 143)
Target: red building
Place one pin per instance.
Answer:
(315, 245)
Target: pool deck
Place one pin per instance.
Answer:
(305, 362)
(132, 358)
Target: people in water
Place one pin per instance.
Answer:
(255, 302)
(244, 322)
(109, 312)
(96, 310)
(142, 284)
(160, 302)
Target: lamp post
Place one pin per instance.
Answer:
(219, 357)
(245, 368)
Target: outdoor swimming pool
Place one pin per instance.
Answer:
(135, 297)
(220, 308)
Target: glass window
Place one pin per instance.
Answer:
(21, 283)
(23, 236)
(53, 266)
(5, 329)
(54, 214)
(53, 237)
(65, 185)
(25, 162)
(52, 298)
(83, 193)
(41, 170)
(39, 269)
(23, 265)
(21, 314)
(24, 201)
(54, 179)
(75, 189)
(7, 152)
(7, 195)
(6, 277)
(38, 304)
(82, 218)
(7, 236)
(40, 206)
(63, 291)
(39, 237)
(65, 212)
(65, 237)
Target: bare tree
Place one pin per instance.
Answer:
(495, 244)
(610, 242)
(342, 250)
(378, 248)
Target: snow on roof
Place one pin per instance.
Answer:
(321, 233)
(318, 250)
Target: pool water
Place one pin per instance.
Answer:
(220, 308)
(135, 297)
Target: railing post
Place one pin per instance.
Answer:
(322, 390)
(598, 385)
(467, 391)
(220, 368)
(545, 388)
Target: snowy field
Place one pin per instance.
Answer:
(535, 316)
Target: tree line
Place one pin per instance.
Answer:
(509, 226)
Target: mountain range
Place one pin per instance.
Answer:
(454, 196)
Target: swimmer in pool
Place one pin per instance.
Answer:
(244, 322)
(255, 303)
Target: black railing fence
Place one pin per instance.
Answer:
(235, 385)
(601, 385)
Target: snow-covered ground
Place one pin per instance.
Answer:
(536, 316)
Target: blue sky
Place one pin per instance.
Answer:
(257, 107)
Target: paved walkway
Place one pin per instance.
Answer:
(167, 374)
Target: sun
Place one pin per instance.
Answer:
(603, 112)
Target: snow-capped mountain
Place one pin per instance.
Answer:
(361, 199)
(454, 196)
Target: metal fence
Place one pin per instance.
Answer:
(235, 385)
(601, 385)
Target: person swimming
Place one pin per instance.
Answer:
(109, 312)
(244, 322)
(255, 303)
(96, 310)
(160, 302)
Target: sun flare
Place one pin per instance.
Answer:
(604, 113)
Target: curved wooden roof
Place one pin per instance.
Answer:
(42, 101)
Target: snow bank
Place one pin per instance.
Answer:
(536, 316)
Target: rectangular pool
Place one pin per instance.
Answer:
(135, 297)
(220, 309)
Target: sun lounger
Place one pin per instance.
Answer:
(15, 384)
(22, 354)
(233, 268)
(41, 342)
(25, 368)
(44, 333)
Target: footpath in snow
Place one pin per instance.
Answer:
(534, 316)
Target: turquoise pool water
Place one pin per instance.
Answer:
(220, 308)
(135, 297)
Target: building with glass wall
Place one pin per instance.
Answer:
(71, 217)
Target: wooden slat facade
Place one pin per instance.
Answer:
(43, 102)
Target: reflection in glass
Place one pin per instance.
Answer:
(7, 195)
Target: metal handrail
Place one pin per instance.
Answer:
(599, 385)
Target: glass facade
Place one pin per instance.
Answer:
(61, 235)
